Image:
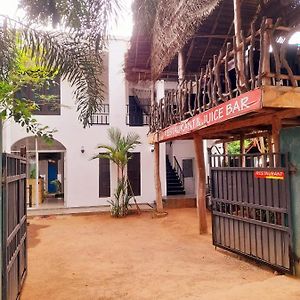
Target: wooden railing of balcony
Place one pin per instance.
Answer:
(236, 70)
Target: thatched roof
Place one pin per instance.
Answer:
(175, 23)
(163, 27)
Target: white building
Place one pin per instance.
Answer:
(69, 158)
(86, 182)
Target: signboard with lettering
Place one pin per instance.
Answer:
(241, 105)
(279, 175)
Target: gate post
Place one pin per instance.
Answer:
(201, 188)
(158, 193)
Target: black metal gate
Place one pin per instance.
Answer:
(251, 207)
(14, 222)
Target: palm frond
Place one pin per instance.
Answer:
(93, 16)
(7, 50)
(114, 135)
(73, 56)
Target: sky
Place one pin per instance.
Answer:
(122, 29)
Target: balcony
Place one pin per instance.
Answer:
(262, 66)
(137, 114)
(101, 118)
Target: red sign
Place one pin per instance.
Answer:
(245, 103)
(279, 175)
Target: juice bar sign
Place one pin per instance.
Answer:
(248, 102)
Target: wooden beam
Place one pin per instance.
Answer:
(158, 193)
(189, 53)
(213, 36)
(201, 188)
(281, 96)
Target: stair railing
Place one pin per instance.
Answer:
(178, 170)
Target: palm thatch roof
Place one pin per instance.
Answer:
(198, 27)
(175, 23)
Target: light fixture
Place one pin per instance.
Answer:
(82, 149)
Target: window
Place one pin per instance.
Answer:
(137, 114)
(134, 173)
(104, 177)
(187, 166)
(47, 98)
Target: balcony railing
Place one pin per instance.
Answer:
(138, 115)
(259, 60)
(101, 118)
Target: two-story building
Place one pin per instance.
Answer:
(67, 160)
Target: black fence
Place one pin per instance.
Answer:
(251, 207)
(102, 117)
(14, 222)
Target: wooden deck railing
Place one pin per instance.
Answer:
(263, 58)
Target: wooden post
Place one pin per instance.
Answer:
(266, 53)
(242, 150)
(181, 67)
(152, 92)
(276, 127)
(159, 204)
(201, 190)
(226, 158)
(237, 30)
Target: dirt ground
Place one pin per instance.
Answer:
(137, 257)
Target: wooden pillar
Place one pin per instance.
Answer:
(152, 92)
(181, 67)
(266, 55)
(276, 127)
(242, 150)
(237, 19)
(201, 189)
(158, 193)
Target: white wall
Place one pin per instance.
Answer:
(185, 150)
(81, 174)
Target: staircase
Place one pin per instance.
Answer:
(175, 185)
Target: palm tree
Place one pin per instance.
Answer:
(119, 153)
(75, 52)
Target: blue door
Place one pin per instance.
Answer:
(52, 175)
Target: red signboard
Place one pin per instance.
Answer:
(245, 103)
(279, 175)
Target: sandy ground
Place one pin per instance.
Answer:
(98, 257)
